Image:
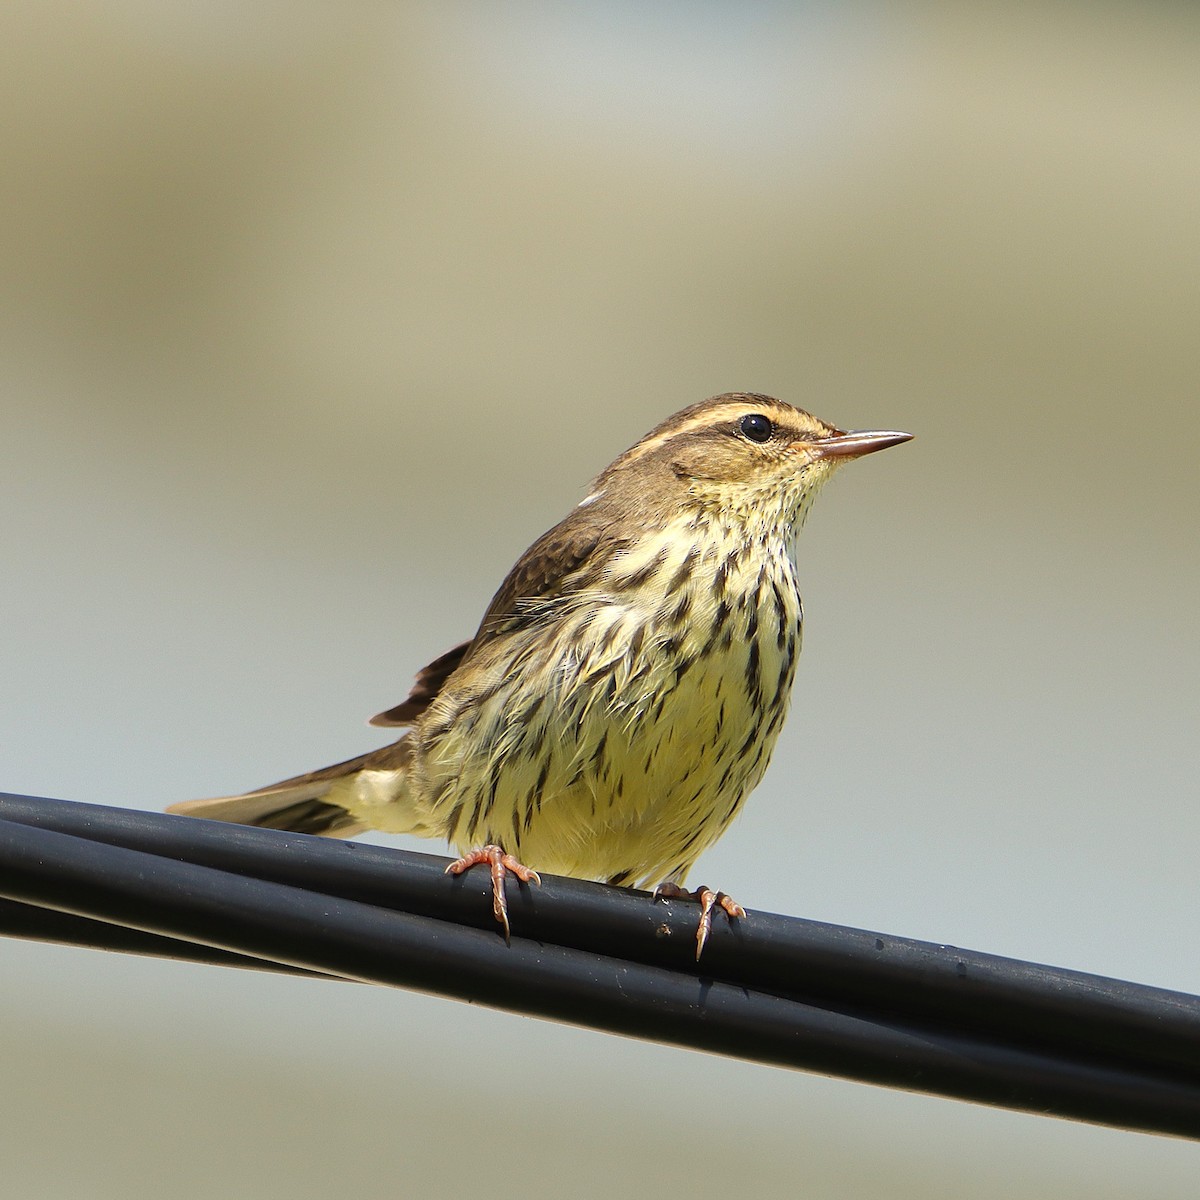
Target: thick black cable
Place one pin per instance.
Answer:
(301, 924)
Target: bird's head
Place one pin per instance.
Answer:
(746, 456)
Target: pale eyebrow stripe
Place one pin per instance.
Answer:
(702, 420)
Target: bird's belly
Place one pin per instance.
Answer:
(630, 766)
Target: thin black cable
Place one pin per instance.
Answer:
(46, 925)
(1136, 1068)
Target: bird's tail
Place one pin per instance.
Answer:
(297, 810)
(305, 804)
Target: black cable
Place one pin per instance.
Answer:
(46, 925)
(773, 989)
(781, 955)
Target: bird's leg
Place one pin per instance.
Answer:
(708, 900)
(500, 863)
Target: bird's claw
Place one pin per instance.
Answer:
(501, 863)
(708, 900)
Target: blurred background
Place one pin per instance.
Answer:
(313, 316)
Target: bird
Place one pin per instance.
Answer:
(627, 684)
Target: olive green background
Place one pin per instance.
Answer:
(313, 316)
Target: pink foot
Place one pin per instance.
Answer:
(500, 863)
(708, 901)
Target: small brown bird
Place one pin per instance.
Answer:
(625, 689)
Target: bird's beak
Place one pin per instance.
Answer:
(858, 442)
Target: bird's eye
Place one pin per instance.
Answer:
(756, 427)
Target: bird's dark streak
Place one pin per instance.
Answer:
(533, 737)
(773, 701)
(473, 823)
(785, 676)
(612, 635)
(754, 685)
(694, 800)
(493, 785)
(646, 571)
(581, 712)
(635, 642)
(781, 621)
(720, 575)
(755, 770)
(681, 609)
(598, 752)
(540, 786)
(724, 778)
(720, 620)
(752, 626)
(538, 794)
(751, 737)
(760, 599)
(682, 573)
(452, 822)
(691, 841)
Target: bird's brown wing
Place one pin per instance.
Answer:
(429, 682)
(550, 568)
(542, 573)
